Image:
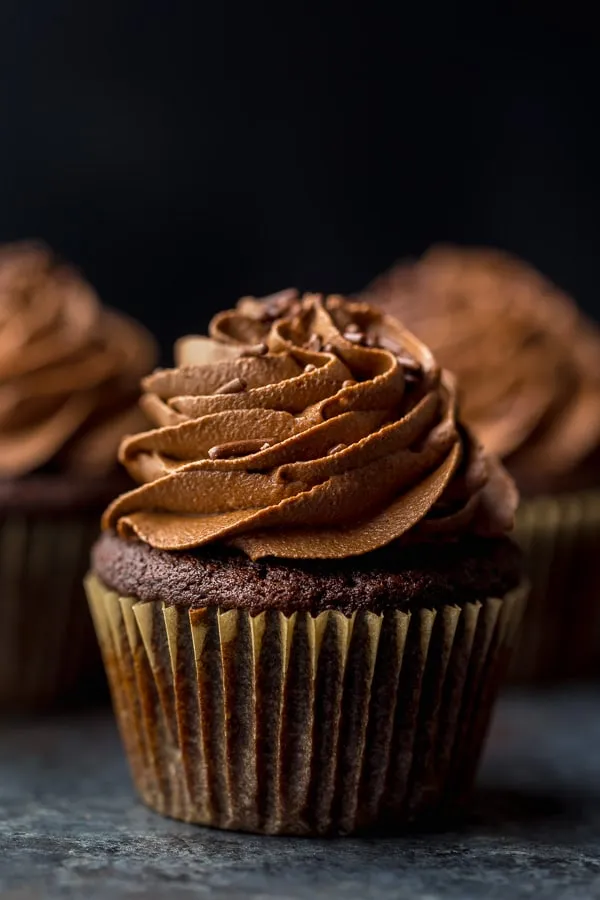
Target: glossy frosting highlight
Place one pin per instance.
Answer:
(69, 369)
(305, 428)
(527, 361)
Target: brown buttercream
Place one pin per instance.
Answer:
(527, 361)
(69, 368)
(305, 428)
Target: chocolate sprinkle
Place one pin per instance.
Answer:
(354, 337)
(409, 363)
(238, 448)
(279, 304)
(235, 386)
(386, 344)
(255, 350)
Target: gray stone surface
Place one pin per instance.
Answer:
(70, 826)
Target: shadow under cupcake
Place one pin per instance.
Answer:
(306, 608)
(69, 372)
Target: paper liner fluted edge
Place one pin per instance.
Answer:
(299, 724)
(560, 637)
(47, 640)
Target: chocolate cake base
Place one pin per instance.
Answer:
(398, 576)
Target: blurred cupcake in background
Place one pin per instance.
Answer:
(69, 372)
(528, 367)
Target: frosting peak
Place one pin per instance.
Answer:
(527, 361)
(304, 428)
(69, 368)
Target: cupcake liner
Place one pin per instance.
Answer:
(299, 724)
(560, 638)
(46, 635)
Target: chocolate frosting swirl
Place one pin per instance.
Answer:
(305, 428)
(69, 369)
(527, 361)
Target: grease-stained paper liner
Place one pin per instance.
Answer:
(46, 636)
(560, 536)
(302, 725)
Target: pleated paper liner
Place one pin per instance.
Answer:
(301, 724)
(47, 645)
(560, 637)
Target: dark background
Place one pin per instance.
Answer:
(185, 153)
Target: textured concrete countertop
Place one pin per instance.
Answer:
(71, 827)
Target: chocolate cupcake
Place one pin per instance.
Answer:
(307, 606)
(528, 368)
(69, 374)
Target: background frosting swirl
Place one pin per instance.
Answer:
(305, 428)
(69, 368)
(526, 359)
